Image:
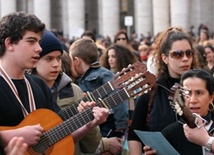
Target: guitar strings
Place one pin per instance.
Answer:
(109, 88)
(71, 110)
(114, 99)
(44, 139)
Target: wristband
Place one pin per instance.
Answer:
(208, 145)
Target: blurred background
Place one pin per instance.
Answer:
(70, 18)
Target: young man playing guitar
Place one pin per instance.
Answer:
(64, 92)
(20, 93)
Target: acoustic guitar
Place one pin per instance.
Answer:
(116, 83)
(57, 139)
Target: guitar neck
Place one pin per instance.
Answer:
(72, 124)
(188, 117)
(100, 92)
(116, 83)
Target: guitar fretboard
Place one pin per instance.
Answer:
(100, 92)
(73, 123)
(116, 83)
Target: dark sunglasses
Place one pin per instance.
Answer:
(180, 54)
(121, 39)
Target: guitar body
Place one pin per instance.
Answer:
(47, 119)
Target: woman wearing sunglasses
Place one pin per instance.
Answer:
(199, 87)
(122, 38)
(175, 56)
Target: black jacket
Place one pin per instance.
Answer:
(175, 135)
(10, 109)
(161, 113)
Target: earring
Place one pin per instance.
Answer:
(211, 107)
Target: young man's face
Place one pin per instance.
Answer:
(26, 51)
(49, 66)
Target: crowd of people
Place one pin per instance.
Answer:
(38, 70)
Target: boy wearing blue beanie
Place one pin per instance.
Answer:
(49, 43)
(64, 91)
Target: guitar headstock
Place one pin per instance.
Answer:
(127, 73)
(140, 83)
(177, 101)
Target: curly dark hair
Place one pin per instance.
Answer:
(123, 55)
(15, 25)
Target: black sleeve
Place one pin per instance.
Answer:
(172, 132)
(139, 118)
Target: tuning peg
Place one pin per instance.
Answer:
(177, 106)
(178, 109)
(180, 113)
(132, 78)
(123, 69)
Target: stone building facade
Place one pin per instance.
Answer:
(107, 16)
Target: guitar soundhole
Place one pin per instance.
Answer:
(42, 147)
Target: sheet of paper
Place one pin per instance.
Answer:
(156, 141)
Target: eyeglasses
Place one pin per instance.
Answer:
(121, 39)
(180, 54)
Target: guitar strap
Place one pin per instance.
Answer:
(14, 90)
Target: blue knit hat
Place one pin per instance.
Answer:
(49, 43)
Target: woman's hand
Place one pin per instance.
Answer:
(148, 150)
(193, 135)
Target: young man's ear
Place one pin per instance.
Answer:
(76, 60)
(8, 44)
